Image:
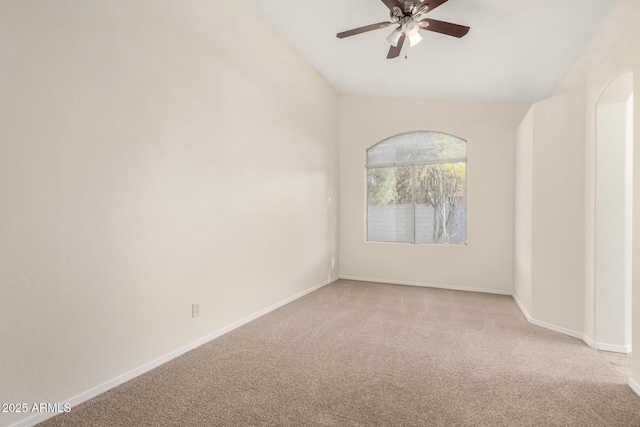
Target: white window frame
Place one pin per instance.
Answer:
(413, 188)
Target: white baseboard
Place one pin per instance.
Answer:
(625, 349)
(83, 397)
(613, 348)
(522, 309)
(546, 325)
(634, 386)
(589, 341)
(598, 346)
(560, 329)
(90, 394)
(425, 285)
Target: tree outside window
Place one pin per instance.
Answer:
(417, 189)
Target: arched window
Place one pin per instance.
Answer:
(417, 189)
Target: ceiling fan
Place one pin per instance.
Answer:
(411, 17)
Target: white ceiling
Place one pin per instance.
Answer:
(516, 50)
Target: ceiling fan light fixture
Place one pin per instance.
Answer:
(412, 31)
(394, 37)
(414, 39)
(410, 28)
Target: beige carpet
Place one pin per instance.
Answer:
(365, 354)
(622, 362)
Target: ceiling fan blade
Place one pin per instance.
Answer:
(447, 28)
(363, 29)
(394, 51)
(432, 4)
(391, 3)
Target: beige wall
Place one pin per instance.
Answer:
(522, 213)
(612, 228)
(151, 156)
(612, 51)
(486, 264)
(149, 160)
(557, 211)
(549, 213)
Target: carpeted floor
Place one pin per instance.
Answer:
(620, 361)
(366, 354)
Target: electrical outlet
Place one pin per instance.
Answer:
(195, 309)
